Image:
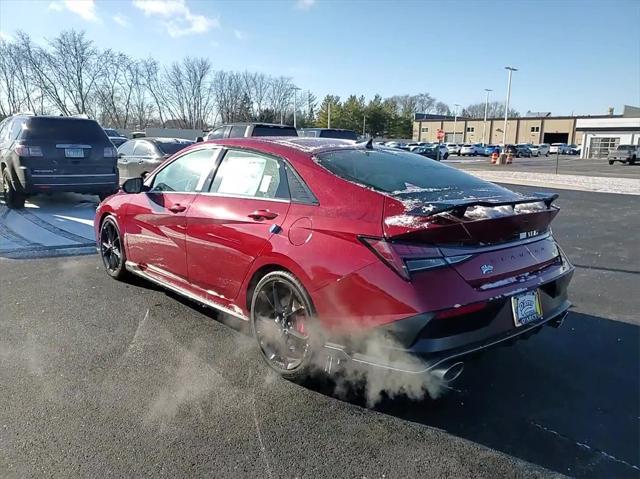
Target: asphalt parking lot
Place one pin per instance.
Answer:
(102, 378)
(567, 165)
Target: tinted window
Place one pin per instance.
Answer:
(298, 190)
(244, 173)
(237, 131)
(65, 130)
(111, 132)
(126, 148)
(217, 133)
(186, 174)
(274, 130)
(400, 172)
(144, 148)
(16, 128)
(171, 147)
(341, 134)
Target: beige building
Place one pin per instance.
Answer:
(546, 129)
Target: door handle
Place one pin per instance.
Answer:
(263, 215)
(177, 208)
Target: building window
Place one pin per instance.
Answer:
(600, 147)
(535, 129)
(425, 129)
(470, 129)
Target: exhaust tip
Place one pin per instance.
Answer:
(449, 373)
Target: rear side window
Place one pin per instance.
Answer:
(398, 172)
(300, 192)
(269, 130)
(217, 133)
(64, 130)
(144, 148)
(16, 128)
(126, 148)
(237, 131)
(169, 148)
(244, 173)
(340, 134)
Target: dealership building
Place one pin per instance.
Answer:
(597, 134)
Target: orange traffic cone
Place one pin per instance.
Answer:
(494, 157)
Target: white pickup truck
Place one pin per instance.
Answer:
(624, 154)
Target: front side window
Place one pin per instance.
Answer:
(244, 173)
(186, 174)
(237, 131)
(126, 148)
(217, 133)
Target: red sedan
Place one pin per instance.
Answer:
(323, 245)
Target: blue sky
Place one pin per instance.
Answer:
(573, 56)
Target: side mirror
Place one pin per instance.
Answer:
(133, 185)
(199, 139)
(120, 155)
(144, 174)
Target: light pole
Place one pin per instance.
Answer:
(506, 106)
(329, 115)
(486, 107)
(295, 106)
(364, 124)
(455, 123)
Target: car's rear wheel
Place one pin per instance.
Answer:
(281, 320)
(610, 162)
(13, 198)
(112, 249)
(632, 160)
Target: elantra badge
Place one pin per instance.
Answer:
(486, 268)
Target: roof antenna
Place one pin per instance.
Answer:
(368, 144)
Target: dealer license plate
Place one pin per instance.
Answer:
(526, 308)
(74, 153)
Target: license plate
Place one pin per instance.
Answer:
(74, 153)
(526, 308)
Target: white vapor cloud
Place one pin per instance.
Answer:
(305, 4)
(121, 20)
(176, 16)
(86, 9)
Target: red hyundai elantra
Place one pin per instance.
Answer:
(322, 243)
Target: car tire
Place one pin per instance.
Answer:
(446, 155)
(632, 160)
(14, 199)
(111, 249)
(271, 323)
(610, 162)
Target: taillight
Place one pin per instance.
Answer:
(24, 150)
(406, 258)
(110, 152)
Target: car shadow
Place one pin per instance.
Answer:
(566, 399)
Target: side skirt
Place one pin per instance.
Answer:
(135, 269)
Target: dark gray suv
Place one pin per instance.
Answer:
(42, 154)
(243, 130)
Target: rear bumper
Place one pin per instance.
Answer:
(80, 183)
(408, 345)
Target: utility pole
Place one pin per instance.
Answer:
(455, 123)
(295, 106)
(486, 107)
(329, 114)
(506, 106)
(364, 124)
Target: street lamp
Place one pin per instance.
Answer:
(295, 106)
(455, 122)
(506, 106)
(486, 107)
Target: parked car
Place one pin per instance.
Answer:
(453, 148)
(428, 151)
(543, 149)
(116, 138)
(490, 150)
(469, 149)
(328, 133)
(260, 231)
(241, 130)
(523, 151)
(397, 144)
(144, 155)
(573, 149)
(624, 154)
(42, 154)
(532, 148)
(561, 148)
(510, 149)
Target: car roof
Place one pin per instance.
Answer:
(254, 123)
(302, 144)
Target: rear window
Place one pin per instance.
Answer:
(169, 148)
(340, 134)
(268, 130)
(625, 147)
(399, 173)
(63, 130)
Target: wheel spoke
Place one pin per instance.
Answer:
(276, 299)
(293, 312)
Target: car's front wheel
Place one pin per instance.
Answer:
(112, 249)
(282, 323)
(610, 162)
(13, 198)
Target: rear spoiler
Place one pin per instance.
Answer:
(459, 207)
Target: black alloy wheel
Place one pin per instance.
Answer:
(112, 249)
(281, 315)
